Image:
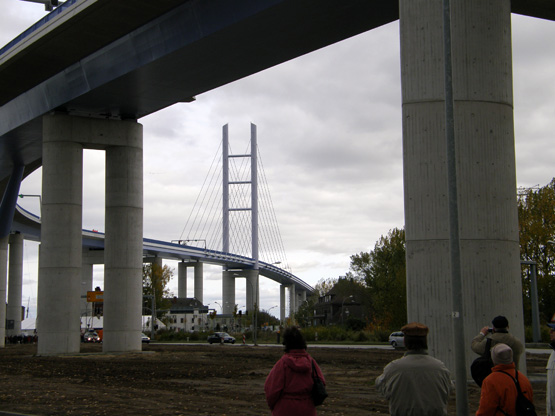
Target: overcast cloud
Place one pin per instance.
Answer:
(329, 133)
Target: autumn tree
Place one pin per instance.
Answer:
(155, 281)
(536, 219)
(384, 272)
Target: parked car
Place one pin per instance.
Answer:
(91, 336)
(145, 338)
(397, 339)
(218, 336)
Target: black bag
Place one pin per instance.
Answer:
(523, 406)
(481, 366)
(319, 393)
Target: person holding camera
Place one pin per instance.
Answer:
(499, 334)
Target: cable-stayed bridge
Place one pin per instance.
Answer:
(201, 241)
(104, 64)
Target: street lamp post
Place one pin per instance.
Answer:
(33, 196)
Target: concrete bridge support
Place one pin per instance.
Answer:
(253, 293)
(60, 263)
(124, 242)
(292, 300)
(198, 283)
(3, 286)
(60, 250)
(15, 287)
(483, 107)
(182, 279)
(199, 279)
(228, 291)
(282, 304)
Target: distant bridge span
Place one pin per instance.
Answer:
(29, 224)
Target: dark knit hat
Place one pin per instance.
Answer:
(500, 322)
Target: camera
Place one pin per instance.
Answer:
(490, 329)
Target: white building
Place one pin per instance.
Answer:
(187, 315)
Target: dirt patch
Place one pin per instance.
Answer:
(193, 380)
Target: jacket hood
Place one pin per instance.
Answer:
(298, 361)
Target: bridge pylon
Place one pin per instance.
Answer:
(252, 276)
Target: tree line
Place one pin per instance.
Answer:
(380, 274)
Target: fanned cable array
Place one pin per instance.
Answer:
(203, 227)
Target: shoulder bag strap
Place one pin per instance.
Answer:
(514, 379)
(517, 388)
(488, 346)
(314, 372)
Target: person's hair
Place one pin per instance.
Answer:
(293, 339)
(416, 343)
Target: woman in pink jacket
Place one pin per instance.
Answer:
(288, 387)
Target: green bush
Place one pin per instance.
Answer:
(381, 334)
(544, 333)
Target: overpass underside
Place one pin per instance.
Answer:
(200, 45)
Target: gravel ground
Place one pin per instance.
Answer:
(168, 379)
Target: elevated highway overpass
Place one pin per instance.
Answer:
(29, 224)
(117, 61)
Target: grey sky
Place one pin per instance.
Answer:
(329, 132)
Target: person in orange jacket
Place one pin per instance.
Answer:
(499, 389)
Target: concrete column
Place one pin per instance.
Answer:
(182, 279)
(124, 242)
(15, 277)
(199, 279)
(282, 303)
(228, 291)
(292, 299)
(60, 253)
(3, 285)
(483, 106)
(253, 292)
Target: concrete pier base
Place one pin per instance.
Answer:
(3, 286)
(60, 262)
(253, 293)
(182, 279)
(292, 300)
(60, 250)
(228, 291)
(124, 243)
(483, 107)
(15, 285)
(199, 279)
(282, 304)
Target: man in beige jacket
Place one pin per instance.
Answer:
(416, 384)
